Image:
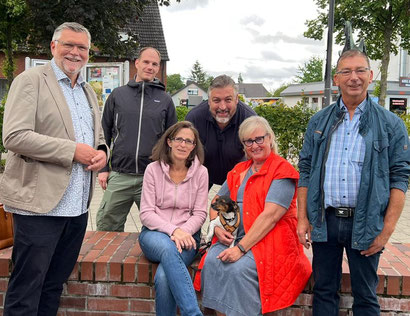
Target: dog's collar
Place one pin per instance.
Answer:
(228, 227)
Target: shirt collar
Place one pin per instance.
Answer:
(360, 108)
(62, 76)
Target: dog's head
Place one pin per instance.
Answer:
(224, 204)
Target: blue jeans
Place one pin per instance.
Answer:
(327, 271)
(173, 284)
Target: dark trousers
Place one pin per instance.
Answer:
(44, 254)
(327, 272)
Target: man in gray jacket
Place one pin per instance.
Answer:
(135, 117)
(55, 143)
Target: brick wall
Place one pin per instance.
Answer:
(112, 277)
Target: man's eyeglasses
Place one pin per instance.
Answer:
(258, 140)
(348, 72)
(180, 140)
(70, 46)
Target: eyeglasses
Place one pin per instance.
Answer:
(348, 72)
(258, 140)
(70, 46)
(180, 140)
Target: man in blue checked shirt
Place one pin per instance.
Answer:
(354, 170)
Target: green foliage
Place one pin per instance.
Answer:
(311, 71)
(383, 24)
(174, 83)
(182, 111)
(279, 90)
(406, 120)
(376, 91)
(240, 79)
(199, 76)
(289, 125)
(241, 97)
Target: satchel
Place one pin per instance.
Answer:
(6, 228)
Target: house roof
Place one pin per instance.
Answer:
(319, 88)
(188, 84)
(148, 27)
(252, 90)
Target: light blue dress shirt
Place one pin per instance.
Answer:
(345, 161)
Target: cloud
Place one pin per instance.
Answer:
(273, 56)
(187, 5)
(252, 19)
(281, 37)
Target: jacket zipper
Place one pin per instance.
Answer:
(139, 128)
(323, 168)
(117, 130)
(175, 202)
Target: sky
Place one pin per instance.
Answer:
(261, 39)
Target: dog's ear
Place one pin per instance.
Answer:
(235, 206)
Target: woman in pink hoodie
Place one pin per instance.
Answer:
(173, 208)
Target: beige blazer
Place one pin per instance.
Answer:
(39, 135)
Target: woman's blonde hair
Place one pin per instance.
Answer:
(250, 124)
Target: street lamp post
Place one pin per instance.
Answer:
(328, 72)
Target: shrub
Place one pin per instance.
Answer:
(289, 125)
(182, 111)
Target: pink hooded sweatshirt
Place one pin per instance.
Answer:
(166, 206)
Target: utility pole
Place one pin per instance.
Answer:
(328, 72)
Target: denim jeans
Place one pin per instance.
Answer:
(173, 284)
(327, 271)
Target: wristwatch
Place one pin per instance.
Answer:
(241, 248)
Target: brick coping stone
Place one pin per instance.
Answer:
(113, 277)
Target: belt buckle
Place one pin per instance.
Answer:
(343, 212)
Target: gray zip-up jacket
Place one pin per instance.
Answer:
(135, 116)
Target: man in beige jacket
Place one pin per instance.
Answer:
(55, 145)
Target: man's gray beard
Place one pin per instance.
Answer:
(222, 120)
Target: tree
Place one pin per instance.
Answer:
(240, 79)
(199, 76)
(13, 31)
(279, 90)
(174, 83)
(381, 23)
(311, 71)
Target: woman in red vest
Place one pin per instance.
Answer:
(266, 269)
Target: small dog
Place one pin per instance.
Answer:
(228, 217)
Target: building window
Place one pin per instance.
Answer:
(192, 91)
(315, 103)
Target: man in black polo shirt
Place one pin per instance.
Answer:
(217, 121)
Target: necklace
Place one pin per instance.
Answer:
(255, 169)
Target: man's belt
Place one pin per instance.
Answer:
(341, 211)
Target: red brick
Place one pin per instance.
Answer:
(115, 271)
(135, 251)
(405, 305)
(6, 253)
(74, 313)
(381, 285)
(107, 304)
(101, 244)
(96, 236)
(406, 286)
(389, 304)
(401, 268)
(129, 269)
(75, 273)
(3, 284)
(87, 271)
(4, 267)
(119, 239)
(109, 250)
(77, 288)
(346, 301)
(304, 300)
(143, 272)
(131, 291)
(101, 268)
(91, 256)
(72, 302)
(393, 285)
(143, 306)
(346, 286)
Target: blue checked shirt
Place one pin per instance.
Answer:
(75, 198)
(345, 161)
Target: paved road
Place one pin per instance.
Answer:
(133, 224)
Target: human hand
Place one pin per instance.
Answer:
(304, 229)
(377, 245)
(183, 240)
(230, 255)
(103, 179)
(98, 161)
(84, 154)
(223, 236)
